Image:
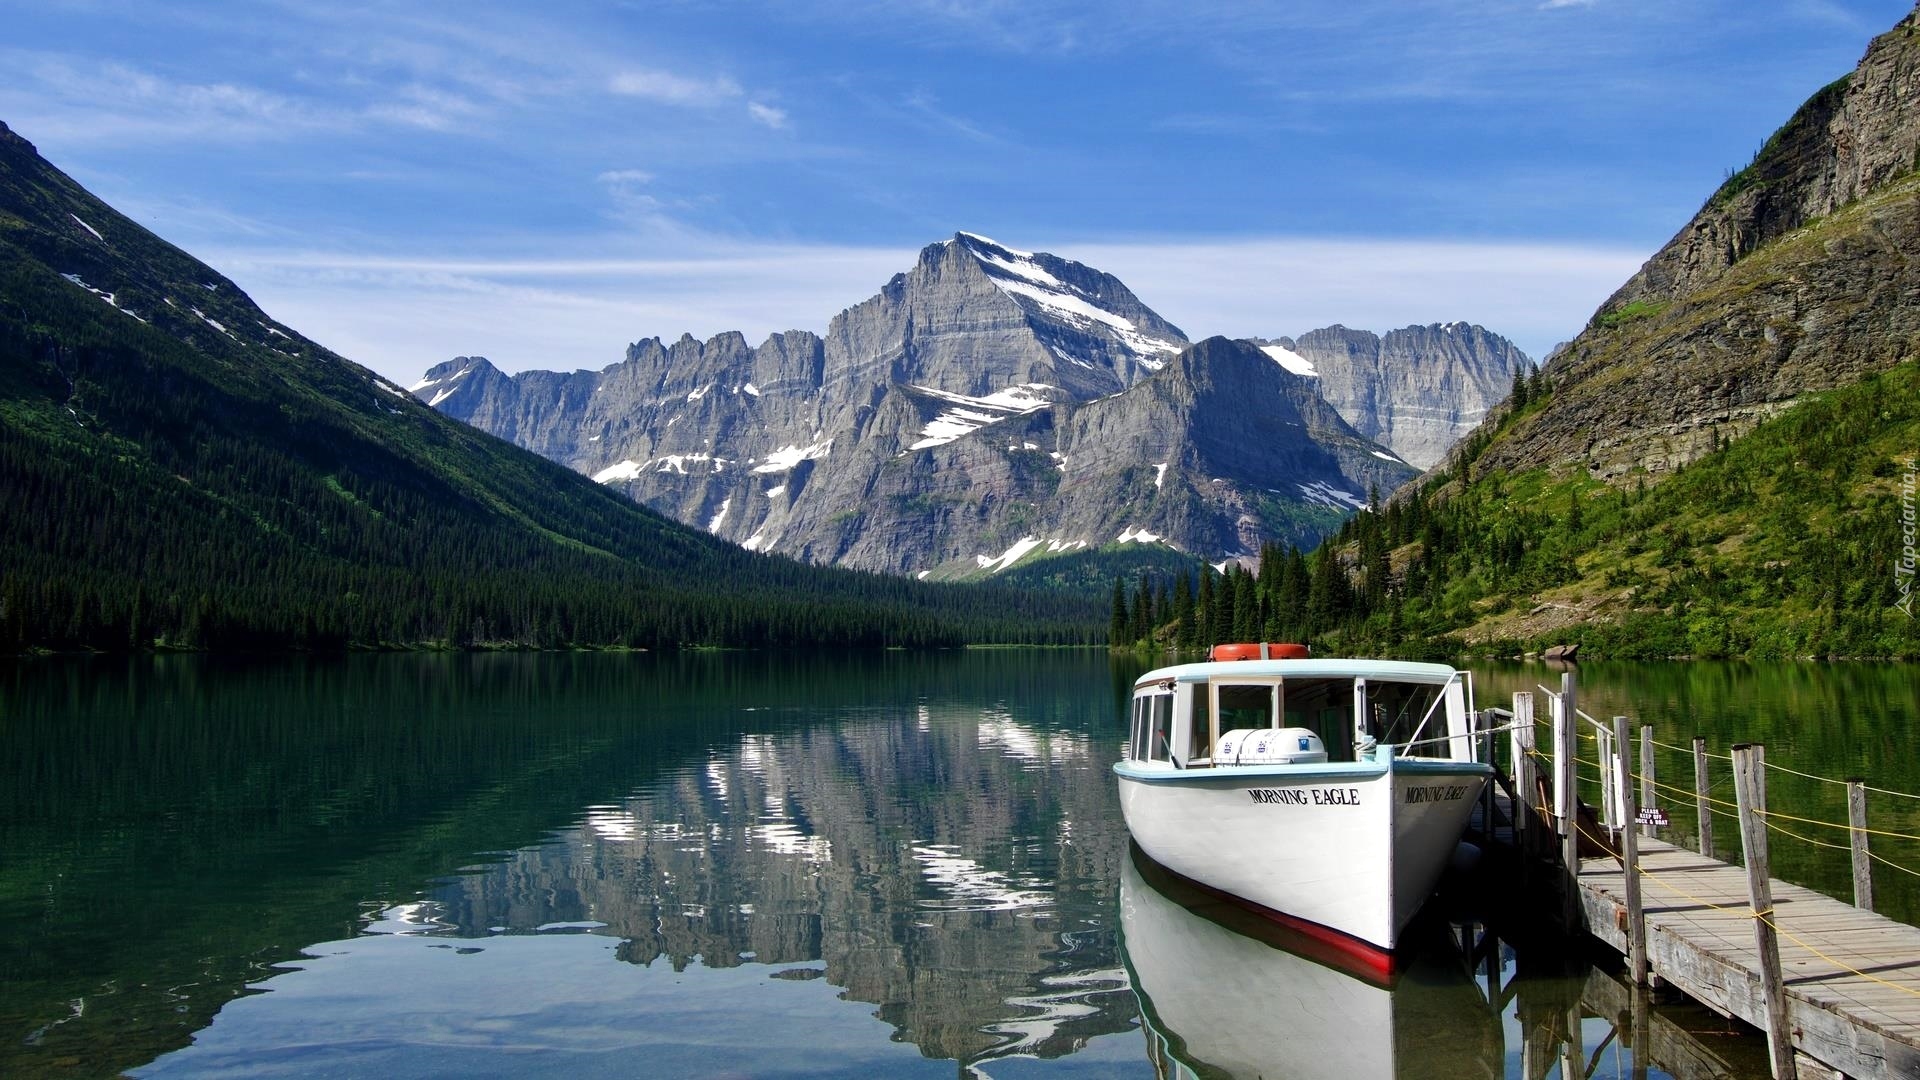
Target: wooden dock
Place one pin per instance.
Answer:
(1835, 987)
(1852, 977)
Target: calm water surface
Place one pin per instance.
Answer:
(725, 865)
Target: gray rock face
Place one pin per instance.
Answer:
(1851, 138)
(1416, 391)
(1798, 275)
(987, 404)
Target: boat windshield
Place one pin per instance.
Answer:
(1396, 710)
(1324, 707)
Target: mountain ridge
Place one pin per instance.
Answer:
(976, 360)
(186, 472)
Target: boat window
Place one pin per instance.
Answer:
(1246, 705)
(1199, 723)
(1324, 707)
(1152, 723)
(1137, 739)
(1160, 725)
(1394, 711)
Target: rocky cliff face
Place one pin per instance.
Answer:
(1798, 275)
(984, 406)
(1417, 390)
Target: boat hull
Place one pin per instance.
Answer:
(1223, 1004)
(1353, 848)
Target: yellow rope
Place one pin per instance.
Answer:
(1763, 916)
(1833, 825)
(1688, 750)
(1879, 858)
(1782, 768)
(1808, 839)
(1687, 792)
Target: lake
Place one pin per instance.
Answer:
(739, 865)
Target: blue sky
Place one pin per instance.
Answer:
(543, 184)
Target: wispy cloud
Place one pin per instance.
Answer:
(1537, 294)
(401, 314)
(625, 176)
(767, 114)
(671, 89)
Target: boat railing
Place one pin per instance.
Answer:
(1479, 734)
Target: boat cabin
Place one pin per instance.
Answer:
(1328, 710)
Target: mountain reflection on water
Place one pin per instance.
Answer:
(950, 865)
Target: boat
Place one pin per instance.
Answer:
(1326, 794)
(1225, 993)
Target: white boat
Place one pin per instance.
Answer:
(1326, 794)
(1224, 993)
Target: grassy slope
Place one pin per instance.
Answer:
(1783, 543)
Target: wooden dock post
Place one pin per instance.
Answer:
(1642, 1032)
(1750, 792)
(1573, 1052)
(1630, 861)
(1857, 829)
(1483, 722)
(1700, 803)
(1566, 797)
(1646, 774)
(1526, 778)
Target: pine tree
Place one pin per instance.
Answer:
(1182, 612)
(1118, 627)
(1204, 609)
(1246, 611)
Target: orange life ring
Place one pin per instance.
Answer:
(1262, 651)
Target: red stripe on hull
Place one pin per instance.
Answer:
(1302, 937)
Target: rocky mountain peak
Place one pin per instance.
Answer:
(1416, 390)
(986, 404)
(1852, 137)
(1062, 291)
(13, 140)
(1795, 277)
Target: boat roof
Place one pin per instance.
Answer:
(1312, 668)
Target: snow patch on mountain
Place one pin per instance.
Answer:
(89, 228)
(424, 383)
(1327, 495)
(112, 300)
(1160, 473)
(970, 414)
(215, 323)
(1291, 360)
(1130, 535)
(1018, 274)
(666, 463)
(626, 470)
(1010, 556)
(787, 457)
(720, 515)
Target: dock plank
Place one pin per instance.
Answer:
(1852, 977)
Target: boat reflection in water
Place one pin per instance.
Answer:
(1225, 993)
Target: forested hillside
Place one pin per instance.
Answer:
(181, 471)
